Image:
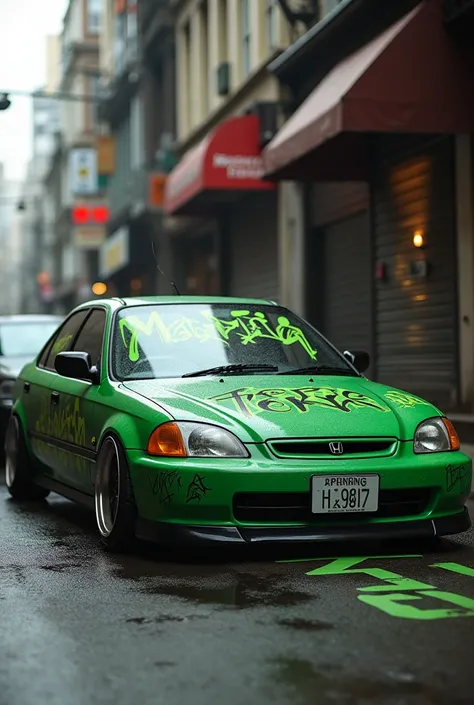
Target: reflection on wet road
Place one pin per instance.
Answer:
(80, 626)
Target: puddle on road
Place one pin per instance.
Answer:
(247, 592)
(334, 686)
(305, 625)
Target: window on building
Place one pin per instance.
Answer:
(272, 23)
(246, 38)
(329, 5)
(205, 56)
(94, 16)
(222, 20)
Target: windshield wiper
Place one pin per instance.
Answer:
(232, 369)
(321, 370)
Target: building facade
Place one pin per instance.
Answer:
(380, 149)
(76, 192)
(223, 216)
(138, 61)
(10, 243)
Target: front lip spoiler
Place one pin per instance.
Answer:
(182, 534)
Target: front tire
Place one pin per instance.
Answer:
(18, 475)
(115, 508)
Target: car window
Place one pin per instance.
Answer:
(170, 340)
(91, 336)
(64, 338)
(25, 339)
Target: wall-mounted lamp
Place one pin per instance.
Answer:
(418, 239)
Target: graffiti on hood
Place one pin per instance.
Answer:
(405, 400)
(251, 401)
(243, 326)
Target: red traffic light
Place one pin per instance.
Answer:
(90, 215)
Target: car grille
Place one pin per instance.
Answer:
(296, 448)
(295, 507)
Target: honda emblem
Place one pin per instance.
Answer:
(336, 448)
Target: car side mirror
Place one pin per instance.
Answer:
(76, 365)
(358, 358)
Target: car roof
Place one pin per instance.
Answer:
(118, 302)
(30, 318)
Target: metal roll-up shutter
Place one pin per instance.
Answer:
(347, 313)
(414, 190)
(253, 250)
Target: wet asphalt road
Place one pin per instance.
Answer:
(79, 626)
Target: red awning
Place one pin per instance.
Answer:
(226, 162)
(412, 78)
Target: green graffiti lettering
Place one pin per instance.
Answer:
(244, 326)
(455, 568)
(251, 401)
(405, 400)
(65, 424)
(395, 605)
(343, 566)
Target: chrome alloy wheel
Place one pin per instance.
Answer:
(11, 451)
(107, 488)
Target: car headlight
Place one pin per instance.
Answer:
(435, 435)
(183, 439)
(7, 387)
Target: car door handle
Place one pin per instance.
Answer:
(26, 387)
(54, 397)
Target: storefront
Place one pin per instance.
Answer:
(376, 138)
(232, 247)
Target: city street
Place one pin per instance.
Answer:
(80, 626)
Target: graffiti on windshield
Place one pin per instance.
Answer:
(243, 326)
(251, 401)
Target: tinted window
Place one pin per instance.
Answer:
(25, 339)
(172, 340)
(62, 341)
(91, 336)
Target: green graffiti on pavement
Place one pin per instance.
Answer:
(455, 568)
(252, 401)
(395, 603)
(243, 325)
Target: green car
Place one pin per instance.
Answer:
(187, 419)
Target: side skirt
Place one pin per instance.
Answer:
(68, 492)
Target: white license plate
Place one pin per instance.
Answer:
(334, 494)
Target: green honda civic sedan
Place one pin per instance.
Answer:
(186, 419)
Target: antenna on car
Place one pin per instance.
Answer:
(162, 272)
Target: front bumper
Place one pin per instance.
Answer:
(180, 534)
(197, 499)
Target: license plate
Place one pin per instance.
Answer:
(334, 494)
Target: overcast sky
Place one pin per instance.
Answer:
(25, 25)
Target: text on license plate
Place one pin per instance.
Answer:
(344, 493)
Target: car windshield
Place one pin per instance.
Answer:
(25, 339)
(168, 340)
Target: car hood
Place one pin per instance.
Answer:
(10, 367)
(264, 407)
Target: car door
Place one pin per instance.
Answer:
(47, 416)
(90, 339)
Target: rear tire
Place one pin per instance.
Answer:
(115, 508)
(18, 473)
